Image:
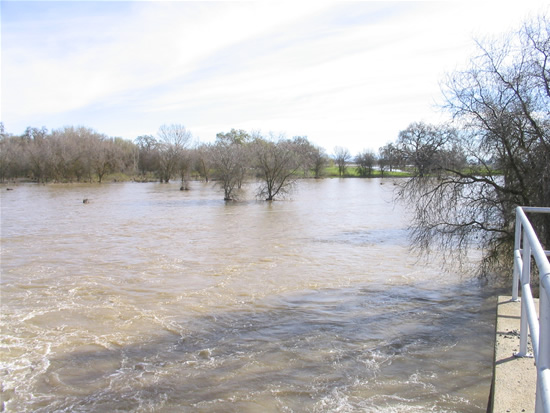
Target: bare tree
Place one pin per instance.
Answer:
(148, 154)
(422, 145)
(173, 141)
(306, 153)
(102, 157)
(71, 148)
(387, 158)
(39, 156)
(237, 142)
(203, 160)
(12, 156)
(66, 154)
(365, 162)
(501, 104)
(108, 155)
(229, 161)
(184, 166)
(319, 161)
(277, 163)
(342, 157)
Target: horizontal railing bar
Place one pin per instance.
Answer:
(546, 252)
(539, 210)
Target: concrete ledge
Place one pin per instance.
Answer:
(514, 379)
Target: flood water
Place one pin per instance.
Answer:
(149, 299)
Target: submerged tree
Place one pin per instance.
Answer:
(239, 143)
(229, 157)
(203, 160)
(172, 151)
(277, 162)
(501, 104)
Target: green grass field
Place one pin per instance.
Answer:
(351, 172)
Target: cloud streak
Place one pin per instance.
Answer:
(351, 74)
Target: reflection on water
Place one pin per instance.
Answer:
(152, 299)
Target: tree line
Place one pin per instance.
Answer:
(80, 154)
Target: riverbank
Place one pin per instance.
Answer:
(330, 172)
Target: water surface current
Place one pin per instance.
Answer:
(150, 299)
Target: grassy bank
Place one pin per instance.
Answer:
(351, 172)
(329, 172)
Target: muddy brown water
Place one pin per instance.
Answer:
(150, 299)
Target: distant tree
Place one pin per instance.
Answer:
(64, 155)
(71, 148)
(111, 155)
(203, 160)
(12, 156)
(35, 134)
(125, 156)
(5, 157)
(173, 141)
(306, 152)
(101, 157)
(237, 136)
(277, 163)
(183, 167)
(238, 143)
(35, 154)
(387, 158)
(148, 154)
(365, 162)
(423, 147)
(229, 159)
(319, 161)
(342, 157)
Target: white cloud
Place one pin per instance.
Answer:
(339, 72)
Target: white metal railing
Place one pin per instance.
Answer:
(528, 246)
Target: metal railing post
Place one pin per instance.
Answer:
(517, 248)
(525, 289)
(543, 359)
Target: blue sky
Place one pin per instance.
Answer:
(349, 74)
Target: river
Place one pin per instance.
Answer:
(151, 299)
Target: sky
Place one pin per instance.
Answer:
(349, 74)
